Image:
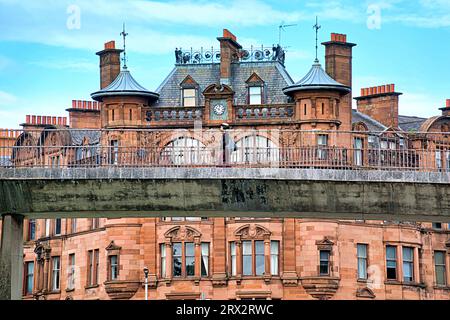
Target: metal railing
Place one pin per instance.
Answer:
(59, 148)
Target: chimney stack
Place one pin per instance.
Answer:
(380, 103)
(446, 110)
(338, 65)
(109, 63)
(84, 114)
(229, 53)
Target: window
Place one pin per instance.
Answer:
(189, 252)
(437, 225)
(73, 225)
(358, 151)
(247, 266)
(259, 258)
(255, 95)
(163, 260)
(114, 152)
(31, 229)
(113, 267)
(322, 143)
(29, 278)
(274, 257)
(57, 227)
(95, 223)
(255, 149)
(71, 272)
(92, 276)
(362, 260)
(324, 266)
(56, 269)
(440, 268)
(391, 262)
(47, 227)
(233, 258)
(205, 260)
(408, 264)
(189, 97)
(438, 160)
(177, 259)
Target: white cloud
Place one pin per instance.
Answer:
(7, 99)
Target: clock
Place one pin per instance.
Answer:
(219, 109)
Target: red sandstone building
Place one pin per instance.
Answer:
(235, 258)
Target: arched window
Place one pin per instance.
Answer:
(255, 149)
(185, 150)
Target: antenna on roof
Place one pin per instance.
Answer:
(282, 27)
(124, 35)
(316, 27)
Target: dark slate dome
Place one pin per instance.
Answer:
(124, 85)
(316, 79)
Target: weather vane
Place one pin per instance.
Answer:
(124, 59)
(316, 27)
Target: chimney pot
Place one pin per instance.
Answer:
(383, 89)
(64, 121)
(447, 103)
(54, 120)
(379, 89)
(74, 103)
(33, 120)
(28, 119)
(79, 103)
(392, 87)
(110, 45)
(84, 105)
(49, 120)
(39, 120)
(362, 91)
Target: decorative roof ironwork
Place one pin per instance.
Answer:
(124, 85)
(211, 55)
(316, 79)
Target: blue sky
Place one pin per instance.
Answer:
(47, 58)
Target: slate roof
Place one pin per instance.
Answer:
(273, 74)
(408, 123)
(124, 84)
(316, 78)
(371, 124)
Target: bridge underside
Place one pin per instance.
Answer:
(208, 192)
(199, 192)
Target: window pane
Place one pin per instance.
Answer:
(205, 259)
(391, 252)
(324, 262)
(259, 247)
(260, 265)
(57, 226)
(407, 254)
(439, 262)
(190, 258)
(362, 261)
(255, 90)
(247, 265)
(274, 247)
(177, 264)
(247, 247)
(233, 258)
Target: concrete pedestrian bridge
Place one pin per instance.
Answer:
(212, 191)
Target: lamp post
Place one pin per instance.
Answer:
(146, 282)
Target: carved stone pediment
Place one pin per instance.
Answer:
(112, 246)
(254, 79)
(365, 293)
(252, 231)
(325, 244)
(182, 233)
(189, 82)
(218, 90)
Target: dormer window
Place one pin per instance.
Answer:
(255, 95)
(189, 97)
(189, 88)
(255, 86)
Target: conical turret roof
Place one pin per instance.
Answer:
(124, 85)
(316, 79)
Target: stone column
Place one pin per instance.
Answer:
(169, 258)
(219, 275)
(46, 287)
(11, 257)
(267, 258)
(289, 273)
(198, 259)
(238, 258)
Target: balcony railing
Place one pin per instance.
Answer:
(60, 148)
(264, 112)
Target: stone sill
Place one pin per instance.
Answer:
(441, 287)
(70, 290)
(408, 284)
(92, 286)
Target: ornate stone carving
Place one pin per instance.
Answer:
(252, 231)
(219, 279)
(290, 279)
(322, 288)
(182, 233)
(325, 244)
(121, 289)
(365, 293)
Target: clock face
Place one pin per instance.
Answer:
(219, 109)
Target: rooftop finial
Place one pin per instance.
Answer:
(124, 35)
(316, 27)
